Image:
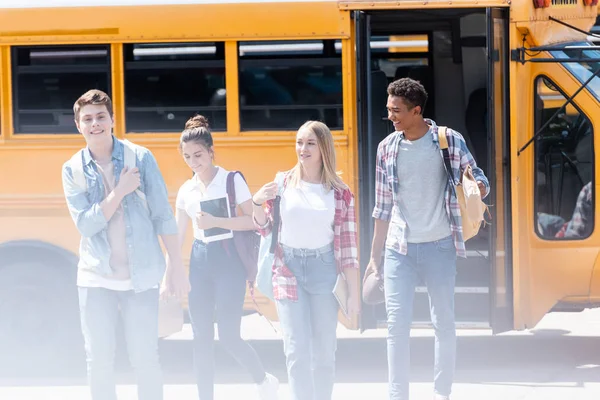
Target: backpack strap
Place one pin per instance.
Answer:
(76, 164)
(281, 180)
(231, 190)
(128, 154)
(443, 140)
(129, 159)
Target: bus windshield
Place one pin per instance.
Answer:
(582, 69)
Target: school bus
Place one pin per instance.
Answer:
(517, 78)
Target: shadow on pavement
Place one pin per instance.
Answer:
(481, 359)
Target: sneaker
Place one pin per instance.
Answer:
(268, 389)
(440, 397)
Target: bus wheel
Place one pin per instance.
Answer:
(39, 319)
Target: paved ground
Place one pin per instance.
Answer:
(560, 359)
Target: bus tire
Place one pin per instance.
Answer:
(39, 313)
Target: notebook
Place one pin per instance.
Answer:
(217, 207)
(340, 291)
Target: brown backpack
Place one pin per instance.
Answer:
(246, 243)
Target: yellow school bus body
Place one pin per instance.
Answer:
(32, 205)
(33, 214)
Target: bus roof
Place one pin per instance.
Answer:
(95, 3)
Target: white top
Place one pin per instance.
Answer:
(307, 214)
(89, 279)
(116, 232)
(193, 191)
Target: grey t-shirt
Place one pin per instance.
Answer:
(422, 183)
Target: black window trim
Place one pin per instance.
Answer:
(289, 60)
(180, 64)
(535, 175)
(175, 64)
(21, 70)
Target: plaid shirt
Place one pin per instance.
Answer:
(387, 187)
(580, 225)
(345, 249)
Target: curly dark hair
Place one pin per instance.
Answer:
(411, 91)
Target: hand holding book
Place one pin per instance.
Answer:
(206, 220)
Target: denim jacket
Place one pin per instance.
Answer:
(146, 259)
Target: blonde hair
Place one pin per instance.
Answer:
(329, 177)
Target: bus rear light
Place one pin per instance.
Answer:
(590, 2)
(544, 3)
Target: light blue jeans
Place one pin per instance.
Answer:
(309, 324)
(433, 263)
(99, 310)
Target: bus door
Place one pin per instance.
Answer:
(555, 240)
(449, 52)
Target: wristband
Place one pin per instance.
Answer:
(255, 203)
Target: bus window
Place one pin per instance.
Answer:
(582, 69)
(48, 80)
(564, 155)
(284, 84)
(167, 83)
(403, 56)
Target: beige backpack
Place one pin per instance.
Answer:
(472, 208)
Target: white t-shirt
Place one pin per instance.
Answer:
(193, 191)
(307, 214)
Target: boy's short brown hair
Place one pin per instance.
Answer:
(95, 97)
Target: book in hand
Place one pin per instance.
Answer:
(340, 291)
(217, 207)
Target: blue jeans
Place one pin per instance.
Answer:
(309, 324)
(433, 263)
(99, 310)
(218, 281)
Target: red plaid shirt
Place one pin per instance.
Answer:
(345, 249)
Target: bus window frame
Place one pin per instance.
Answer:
(6, 115)
(3, 95)
(535, 175)
(572, 69)
(116, 66)
(15, 72)
(208, 63)
(334, 59)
